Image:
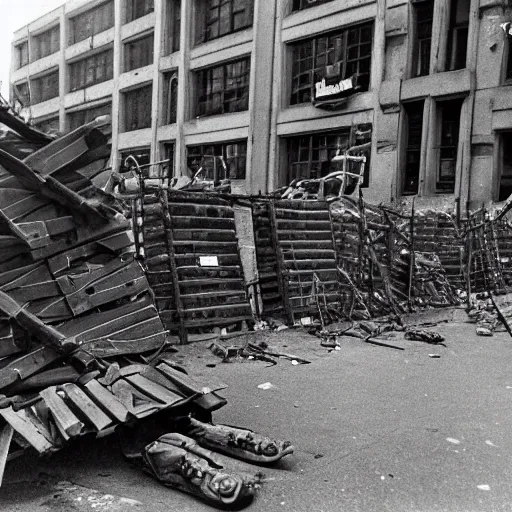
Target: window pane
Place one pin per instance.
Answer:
(223, 17)
(139, 53)
(218, 161)
(137, 108)
(92, 22)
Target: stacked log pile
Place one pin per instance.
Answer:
(72, 298)
(193, 261)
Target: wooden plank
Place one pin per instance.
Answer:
(188, 384)
(128, 395)
(90, 410)
(154, 390)
(67, 423)
(107, 400)
(27, 365)
(5, 442)
(26, 429)
(110, 348)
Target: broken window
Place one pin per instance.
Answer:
(505, 184)
(91, 70)
(170, 100)
(21, 92)
(344, 53)
(310, 155)
(298, 5)
(84, 116)
(411, 177)
(46, 43)
(221, 17)
(458, 35)
(45, 87)
(227, 160)
(137, 108)
(424, 16)
(50, 125)
(224, 88)
(21, 54)
(173, 30)
(139, 53)
(138, 8)
(92, 22)
(449, 126)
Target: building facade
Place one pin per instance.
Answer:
(277, 87)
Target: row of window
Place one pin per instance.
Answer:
(215, 18)
(309, 155)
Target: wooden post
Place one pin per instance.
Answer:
(412, 259)
(169, 238)
(5, 442)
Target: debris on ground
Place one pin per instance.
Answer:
(431, 337)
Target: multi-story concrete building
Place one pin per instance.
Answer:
(277, 87)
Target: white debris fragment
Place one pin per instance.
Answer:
(266, 385)
(453, 440)
(295, 363)
(490, 443)
(483, 487)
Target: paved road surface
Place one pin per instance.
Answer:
(375, 430)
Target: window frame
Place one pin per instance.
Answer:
(107, 67)
(349, 133)
(301, 5)
(96, 28)
(147, 113)
(211, 174)
(20, 63)
(172, 27)
(132, 54)
(50, 37)
(206, 78)
(324, 46)
(133, 6)
(170, 98)
(417, 63)
(205, 21)
(88, 114)
(37, 87)
(407, 147)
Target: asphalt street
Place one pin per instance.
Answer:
(375, 429)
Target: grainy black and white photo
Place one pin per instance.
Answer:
(256, 255)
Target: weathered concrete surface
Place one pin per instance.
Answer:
(375, 429)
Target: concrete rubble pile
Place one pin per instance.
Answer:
(83, 349)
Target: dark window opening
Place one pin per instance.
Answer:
(84, 116)
(458, 35)
(310, 155)
(21, 55)
(139, 53)
(137, 108)
(424, 16)
(173, 26)
(143, 157)
(505, 189)
(166, 171)
(92, 22)
(344, 53)
(46, 43)
(219, 161)
(411, 178)
(449, 123)
(221, 17)
(223, 89)
(93, 70)
(299, 5)
(170, 100)
(137, 8)
(45, 87)
(508, 71)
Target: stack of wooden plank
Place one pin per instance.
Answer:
(193, 261)
(72, 297)
(306, 257)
